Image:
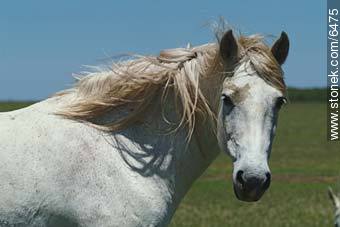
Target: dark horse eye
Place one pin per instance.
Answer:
(227, 100)
(280, 102)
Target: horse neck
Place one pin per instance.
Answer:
(189, 159)
(203, 146)
(183, 161)
(191, 163)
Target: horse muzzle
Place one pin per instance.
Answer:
(250, 187)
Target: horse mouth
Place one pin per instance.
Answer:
(247, 196)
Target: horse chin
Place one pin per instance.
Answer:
(244, 196)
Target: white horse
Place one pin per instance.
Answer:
(336, 202)
(124, 145)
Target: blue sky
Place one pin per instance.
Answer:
(42, 42)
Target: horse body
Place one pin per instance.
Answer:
(336, 202)
(56, 169)
(123, 146)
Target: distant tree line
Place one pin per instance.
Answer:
(294, 95)
(307, 94)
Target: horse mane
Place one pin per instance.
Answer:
(135, 83)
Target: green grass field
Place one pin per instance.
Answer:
(303, 165)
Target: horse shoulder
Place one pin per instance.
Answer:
(70, 168)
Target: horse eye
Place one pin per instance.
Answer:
(227, 100)
(280, 102)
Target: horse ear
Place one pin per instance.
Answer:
(228, 47)
(280, 48)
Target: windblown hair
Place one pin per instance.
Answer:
(135, 83)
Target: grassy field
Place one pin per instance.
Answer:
(8, 106)
(303, 165)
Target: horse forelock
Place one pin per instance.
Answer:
(259, 55)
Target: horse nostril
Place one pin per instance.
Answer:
(239, 177)
(267, 181)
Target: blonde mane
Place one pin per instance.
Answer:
(135, 83)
